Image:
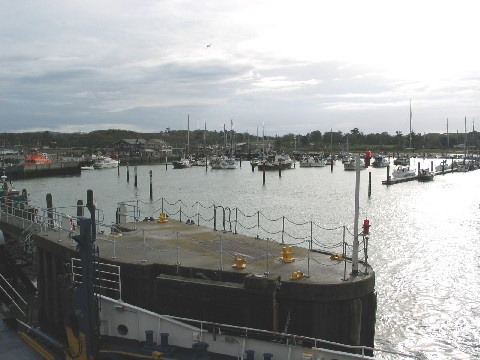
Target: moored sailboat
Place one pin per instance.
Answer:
(184, 162)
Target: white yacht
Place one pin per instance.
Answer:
(403, 172)
(105, 162)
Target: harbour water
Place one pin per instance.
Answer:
(423, 245)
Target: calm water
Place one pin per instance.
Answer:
(424, 244)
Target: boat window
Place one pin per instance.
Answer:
(122, 329)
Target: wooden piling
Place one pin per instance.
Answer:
(50, 209)
(135, 168)
(369, 184)
(263, 173)
(151, 188)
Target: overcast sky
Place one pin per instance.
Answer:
(279, 66)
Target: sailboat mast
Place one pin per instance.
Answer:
(410, 133)
(331, 143)
(232, 138)
(448, 138)
(188, 134)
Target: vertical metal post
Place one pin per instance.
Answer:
(214, 218)
(355, 225)
(310, 247)
(114, 256)
(236, 220)
(267, 272)
(344, 252)
(283, 227)
(258, 224)
(178, 252)
(144, 247)
(223, 220)
(198, 213)
(221, 252)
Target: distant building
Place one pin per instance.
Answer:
(142, 147)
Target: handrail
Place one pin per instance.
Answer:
(281, 230)
(14, 296)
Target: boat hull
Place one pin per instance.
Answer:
(182, 164)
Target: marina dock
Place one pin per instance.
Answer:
(187, 270)
(392, 181)
(35, 171)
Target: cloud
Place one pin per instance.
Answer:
(145, 66)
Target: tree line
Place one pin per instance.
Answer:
(312, 141)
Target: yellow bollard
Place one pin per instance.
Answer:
(240, 262)
(157, 355)
(297, 275)
(286, 255)
(336, 257)
(162, 218)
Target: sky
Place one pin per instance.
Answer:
(262, 67)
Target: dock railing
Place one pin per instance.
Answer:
(336, 241)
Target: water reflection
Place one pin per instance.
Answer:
(424, 243)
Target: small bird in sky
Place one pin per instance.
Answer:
(209, 45)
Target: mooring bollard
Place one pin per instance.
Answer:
(49, 199)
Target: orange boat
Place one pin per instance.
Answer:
(37, 159)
